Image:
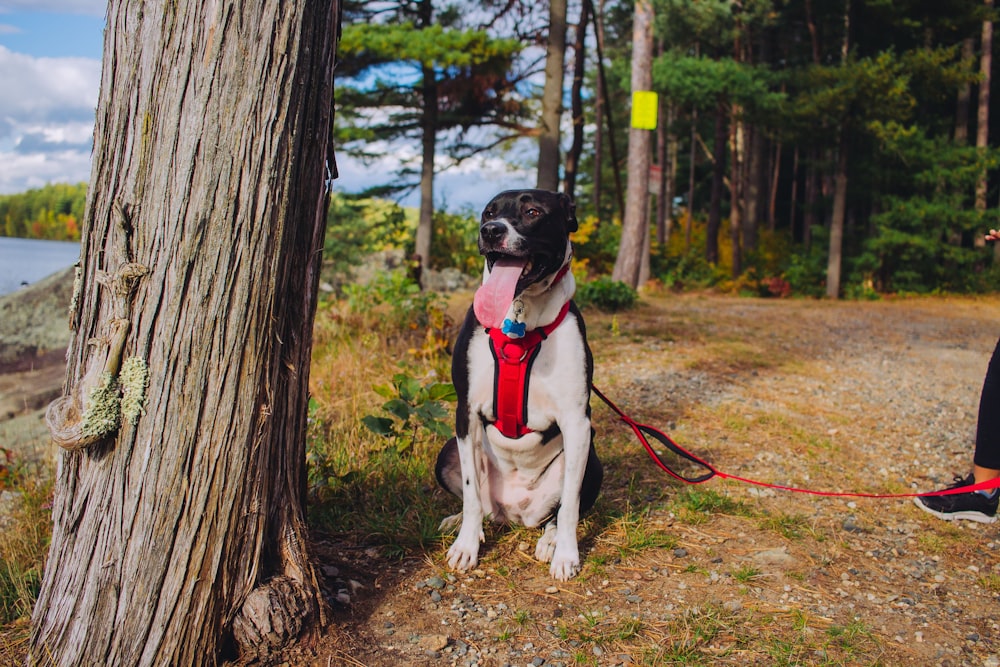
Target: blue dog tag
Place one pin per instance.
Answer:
(513, 329)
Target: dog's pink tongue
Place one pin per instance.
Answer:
(493, 299)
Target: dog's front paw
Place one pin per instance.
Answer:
(565, 566)
(546, 546)
(464, 553)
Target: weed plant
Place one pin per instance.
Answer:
(375, 482)
(25, 530)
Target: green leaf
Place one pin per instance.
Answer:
(379, 425)
(442, 391)
(399, 408)
(431, 412)
(407, 386)
(440, 428)
(385, 391)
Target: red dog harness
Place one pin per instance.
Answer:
(513, 358)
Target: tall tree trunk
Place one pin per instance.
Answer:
(737, 180)
(793, 198)
(837, 222)
(964, 101)
(983, 114)
(552, 95)
(692, 164)
(576, 97)
(178, 523)
(754, 189)
(666, 151)
(810, 217)
(718, 176)
(428, 146)
(635, 227)
(605, 104)
(599, 103)
(772, 199)
(839, 213)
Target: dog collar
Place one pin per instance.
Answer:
(516, 328)
(512, 358)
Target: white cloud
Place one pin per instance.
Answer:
(48, 87)
(46, 119)
(6, 29)
(89, 7)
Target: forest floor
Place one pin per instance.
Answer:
(867, 397)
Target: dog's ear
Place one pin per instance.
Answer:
(570, 207)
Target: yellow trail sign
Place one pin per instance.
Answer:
(644, 110)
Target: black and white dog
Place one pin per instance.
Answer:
(523, 451)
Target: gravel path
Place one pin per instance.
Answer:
(876, 397)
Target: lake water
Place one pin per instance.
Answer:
(26, 261)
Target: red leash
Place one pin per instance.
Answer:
(708, 471)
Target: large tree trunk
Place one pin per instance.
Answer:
(632, 251)
(178, 523)
(552, 96)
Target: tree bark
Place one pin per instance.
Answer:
(718, 176)
(983, 111)
(576, 97)
(181, 530)
(552, 95)
(737, 183)
(837, 222)
(964, 100)
(692, 165)
(428, 146)
(635, 226)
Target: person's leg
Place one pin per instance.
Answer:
(977, 505)
(987, 456)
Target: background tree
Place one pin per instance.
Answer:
(552, 97)
(413, 73)
(178, 511)
(633, 250)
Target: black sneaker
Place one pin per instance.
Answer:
(971, 506)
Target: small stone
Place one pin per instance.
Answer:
(435, 582)
(552, 590)
(680, 552)
(433, 643)
(329, 571)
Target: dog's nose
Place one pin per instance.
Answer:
(493, 231)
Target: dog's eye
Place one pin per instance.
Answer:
(533, 212)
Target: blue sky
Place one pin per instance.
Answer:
(50, 71)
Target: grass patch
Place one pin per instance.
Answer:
(377, 488)
(633, 532)
(695, 505)
(24, 543)
(789, 526)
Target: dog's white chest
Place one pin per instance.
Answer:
(525, 475)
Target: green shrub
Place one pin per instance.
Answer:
(606, 294)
